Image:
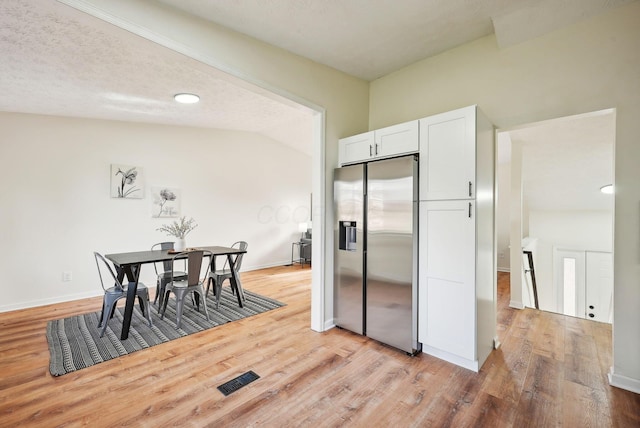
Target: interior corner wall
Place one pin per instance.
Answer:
(56, 204)
(590, 66)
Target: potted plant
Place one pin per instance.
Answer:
(179, 229)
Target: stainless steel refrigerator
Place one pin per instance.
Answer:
(376, 250)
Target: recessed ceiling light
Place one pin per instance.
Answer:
(608, 189)
(186, 98)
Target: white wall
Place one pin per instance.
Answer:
(571, 230)
(590, 66)
(56, 208)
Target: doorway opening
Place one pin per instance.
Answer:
(548, 180)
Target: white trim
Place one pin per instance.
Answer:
(516, 305)
(329, 324)
(624, 382)
(50, 301)
(503, 269)
(451, 358)
(318, 188)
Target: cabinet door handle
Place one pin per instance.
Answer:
(469, 209)
(370, 150)
(376, 149)
(470, 187)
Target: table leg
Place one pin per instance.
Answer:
(132, 272)
(235, 281)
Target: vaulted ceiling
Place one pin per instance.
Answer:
(57, 60)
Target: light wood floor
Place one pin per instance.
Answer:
(550, 371)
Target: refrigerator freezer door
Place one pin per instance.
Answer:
(391, 253)
(348, 190)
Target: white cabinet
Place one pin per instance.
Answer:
(379, 144)
(456, 298)
(356, 148)
(448, 155)
(446, 319)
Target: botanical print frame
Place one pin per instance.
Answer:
(127, 182)
(165, 202)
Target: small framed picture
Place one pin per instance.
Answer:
(165, 202)
(127, 182)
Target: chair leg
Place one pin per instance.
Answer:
(179, 306)
(200, 291)
(145, 307)
(163, 303)
(218, 285)
(162, 285)
(155, 299)
(108, 308)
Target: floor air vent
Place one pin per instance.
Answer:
(235, 384)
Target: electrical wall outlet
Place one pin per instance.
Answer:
(501, 255)
(67, 276)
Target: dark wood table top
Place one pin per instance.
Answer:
(141, 257)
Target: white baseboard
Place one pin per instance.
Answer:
(624, 382)
(516, 305)
(49, 301)
(503, 269)
(496, 342)
(451, 358)
(329, 324)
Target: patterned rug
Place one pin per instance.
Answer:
(75, 342)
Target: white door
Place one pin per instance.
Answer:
(584, 282)
(599, 283)
(446, 297)
(448, 155)
(569, 268)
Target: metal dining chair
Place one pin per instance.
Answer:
(219, 276)
(163, 274)
(190, 284)
(117, 292)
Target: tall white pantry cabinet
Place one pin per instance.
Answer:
(457, 311)
(456, 269)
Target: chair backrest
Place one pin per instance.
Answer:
(169, 245)
(194, 264)
(237, 258)
(100, 260)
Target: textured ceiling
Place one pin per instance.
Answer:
(57, 60)
(566, 161)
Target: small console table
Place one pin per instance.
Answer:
(303, 252)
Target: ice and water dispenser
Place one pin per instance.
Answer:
(347, 236)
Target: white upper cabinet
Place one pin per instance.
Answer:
(356, 148)
(397, 139)
(382, 143)
(448, 155)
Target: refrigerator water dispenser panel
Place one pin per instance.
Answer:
(347, 236)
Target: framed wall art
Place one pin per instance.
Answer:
(127, 182)
(165, 202)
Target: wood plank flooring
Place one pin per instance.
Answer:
(550, 371)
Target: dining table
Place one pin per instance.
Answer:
(129, 264)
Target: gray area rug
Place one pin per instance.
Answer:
(75, 342)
